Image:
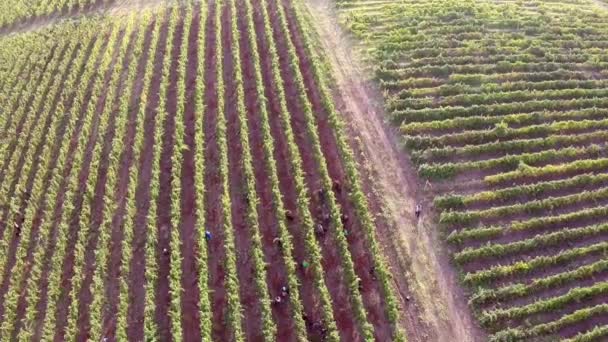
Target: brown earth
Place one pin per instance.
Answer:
(417, 255)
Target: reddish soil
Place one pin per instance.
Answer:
(163, 297)
(137, 279)
(113, 270)
(213, 220)
(276, 273)
(373, 299)
(85, 172)
(250, 299)
(15, 240)
(343, 312)
(59, 202)
(189, 230)
(308, 291)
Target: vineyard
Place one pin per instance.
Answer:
(503, 107)
(180, 172)
(15, 12)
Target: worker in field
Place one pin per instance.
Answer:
(208, 235)
(418, 210)
(277, 300)
(320, 230)
(304, 265)
(278, 242)
(284, 291)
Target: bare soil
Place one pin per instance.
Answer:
(418, 260)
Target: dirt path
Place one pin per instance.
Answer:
(441, 312)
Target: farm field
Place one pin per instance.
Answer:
(165, 171)
(502, 106)
(16, 12)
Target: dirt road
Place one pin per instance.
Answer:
(437, 310)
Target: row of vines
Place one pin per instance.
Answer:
(168, 174)
(502, 107)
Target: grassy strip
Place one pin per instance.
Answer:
(459, 236)
(500, 109)
(517, 96)
(510, 147)
(459, 141)
(517, 119)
